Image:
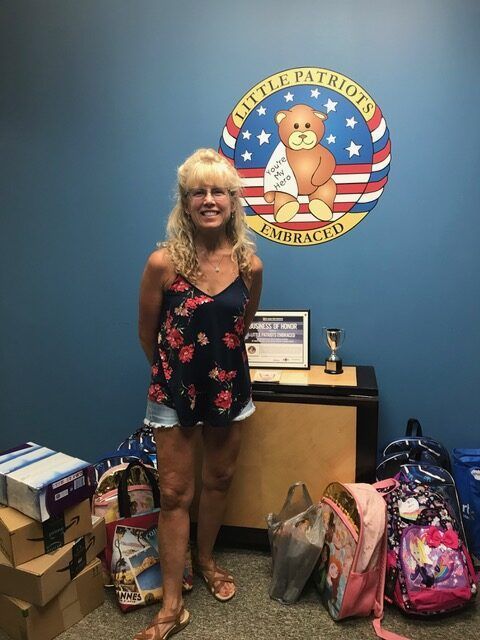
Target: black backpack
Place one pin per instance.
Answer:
(413, 448)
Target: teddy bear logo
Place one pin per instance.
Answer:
(300, 166)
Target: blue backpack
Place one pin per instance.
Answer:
(414, 448)
(466, 471)
(140, 443)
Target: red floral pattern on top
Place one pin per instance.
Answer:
(202, 339)
(174, 338)
(221, 375)
(231, 340)
(179, 285)
(192, 395)
(224, 400)
(156, 393)
(190, 304)
(239, 326)
(167, 370)
(201, 369)
(186, 353)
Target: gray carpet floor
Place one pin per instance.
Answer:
(252, 614)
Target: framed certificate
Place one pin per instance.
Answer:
(279, 340)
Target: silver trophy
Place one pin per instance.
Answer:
(334, 339)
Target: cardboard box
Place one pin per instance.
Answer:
(13, 459)
(42, 483)
(41, 579)
(25, 621)
(22, 538)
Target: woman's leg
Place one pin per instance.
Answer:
(175, 458)
(220, 452)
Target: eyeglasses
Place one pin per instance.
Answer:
(217, 193)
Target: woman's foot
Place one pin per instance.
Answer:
(163, 626)
(219, 582)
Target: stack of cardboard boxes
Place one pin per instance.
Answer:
(50, 577)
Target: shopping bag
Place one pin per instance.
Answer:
(296, 537)
(466, 472)
(132, 548)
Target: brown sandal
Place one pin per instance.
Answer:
(215, 578)
(152, 632)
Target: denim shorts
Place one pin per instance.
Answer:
(159, 416)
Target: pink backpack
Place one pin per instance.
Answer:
(429, 568)
(350, 574)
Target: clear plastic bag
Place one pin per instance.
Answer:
(296, 537)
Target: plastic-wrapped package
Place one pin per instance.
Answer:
(296, 537)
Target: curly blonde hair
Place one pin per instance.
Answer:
(206, 166)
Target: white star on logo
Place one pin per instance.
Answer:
(246, 156)
(264, 137)
(331, 105)
(246, 134)
(331, 139)
(288, 97)
(353, 149)
(261, 111)
(351, 122)
(314, 93)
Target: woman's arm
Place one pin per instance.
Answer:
(154, 278)
(255, 291)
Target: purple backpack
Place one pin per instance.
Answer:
(429, 568)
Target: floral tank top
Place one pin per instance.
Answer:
(200, 367)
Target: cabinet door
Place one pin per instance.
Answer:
(283, 443)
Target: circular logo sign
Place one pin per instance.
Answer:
(313, 150)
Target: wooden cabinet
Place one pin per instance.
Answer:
(309, 426)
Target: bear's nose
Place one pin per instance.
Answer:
(302, 136)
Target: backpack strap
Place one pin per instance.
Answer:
(417, 454)
(414, 428)
(383, 633)
(378, 610)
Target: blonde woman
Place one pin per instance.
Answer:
(198, 295)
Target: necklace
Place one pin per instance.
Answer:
(216, 267)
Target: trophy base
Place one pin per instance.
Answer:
(333, 366)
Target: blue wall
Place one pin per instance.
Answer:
(102, 100)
